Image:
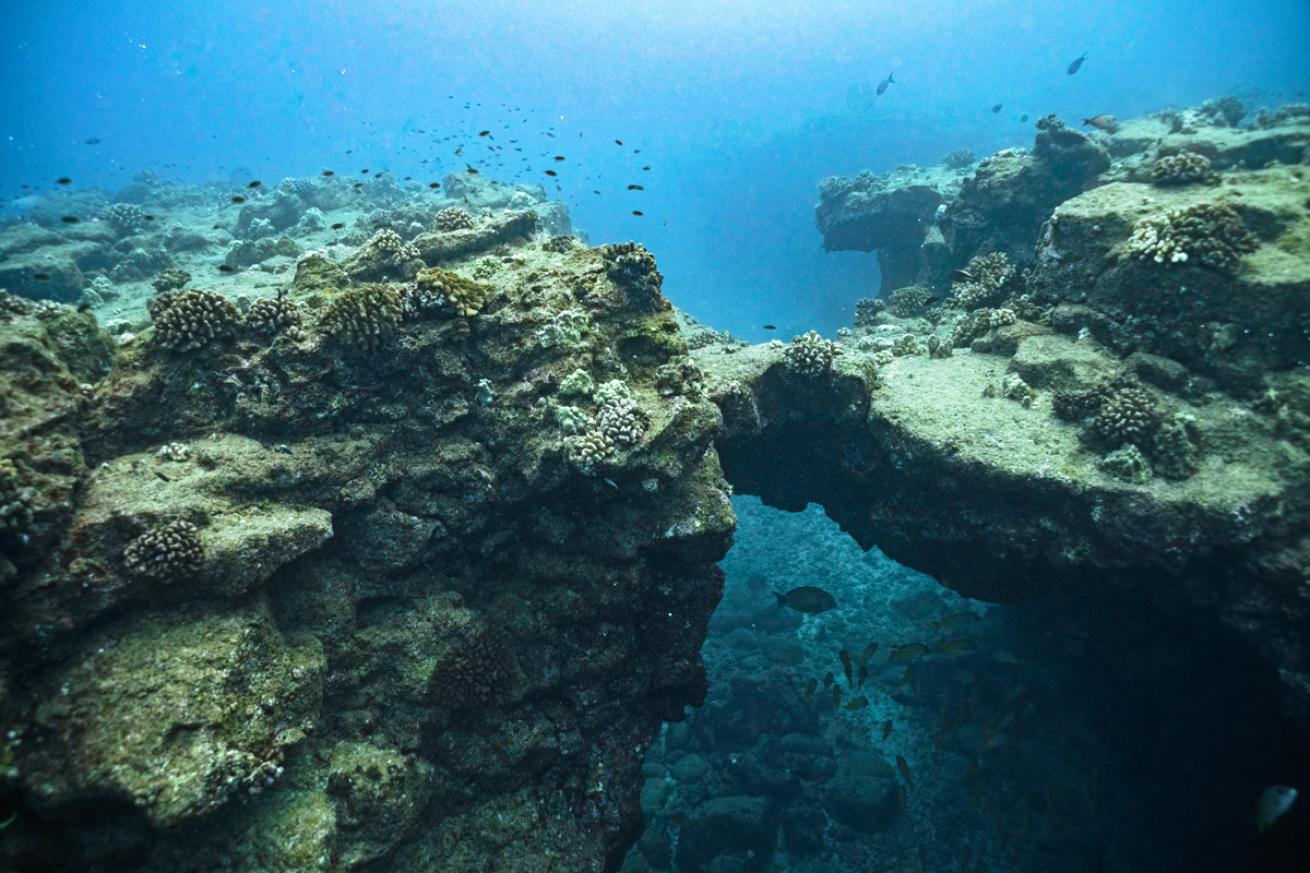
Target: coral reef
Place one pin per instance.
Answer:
(270, 316)
(1127, 463)
(385, 256)
(1127, 414)
(187, 321)
(363, 318)
(1208, 234)
(437, 290)
(810, 355)
(909, 302)
(125, 218)
(1183, 168)
(986, 280)
(633, 269)
(453, 218)
(166, 552)
(619, 422)
(171, 279)
(407, 630)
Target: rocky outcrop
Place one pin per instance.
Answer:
(282, 602)
(893, 215)
(930, 461)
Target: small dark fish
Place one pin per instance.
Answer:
(635, 188)
(328, 173)
(638, 213)
(806, 598)
(70, 219)
(41, 277)
(63, 180)
(810, 688)
(886, 729)
(434, 185)
(828, 679)
(365, 170)
(84, 307)
(618, 142)
(95, 140)
(147, 218)
(905, 770)
(255, 184)
(1105, 121)
(1076, 64)
(867, 655)
(338, 225)
(1023, 118)
(858, 703)
(882, 86)
(237, 198)
(560, 158)
(161, 476)
(357, 185)
(459, 151)
(472, 171)
(836, 696)
(646, 167)
(845, 657)
(551, 173)
(224, 268)
(864, 674)
(484, 133)
(996, 108)
(961, 276)
(770, 327)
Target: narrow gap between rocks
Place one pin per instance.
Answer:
(1032, 739)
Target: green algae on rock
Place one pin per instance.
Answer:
(412, 629)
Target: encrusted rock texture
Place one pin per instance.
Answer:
(326, 586)
(1088, 380)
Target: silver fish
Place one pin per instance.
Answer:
(1104, 121)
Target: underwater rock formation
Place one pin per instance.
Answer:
(1126, 416)
(327, 592)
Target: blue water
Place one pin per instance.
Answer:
(739, 108)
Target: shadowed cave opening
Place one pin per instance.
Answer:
(1052, 735)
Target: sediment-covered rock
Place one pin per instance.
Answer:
(279, 599)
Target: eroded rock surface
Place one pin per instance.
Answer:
(356, 582)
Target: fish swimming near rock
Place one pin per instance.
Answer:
(955, 621)
(882, 86)
(886, 729)
(1105, 121)
(904, 767)
(846, 665)
(1274, 802)
(810, 688)
(1076, 64)
(807, 598)
(907, 653)
(858, 703)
